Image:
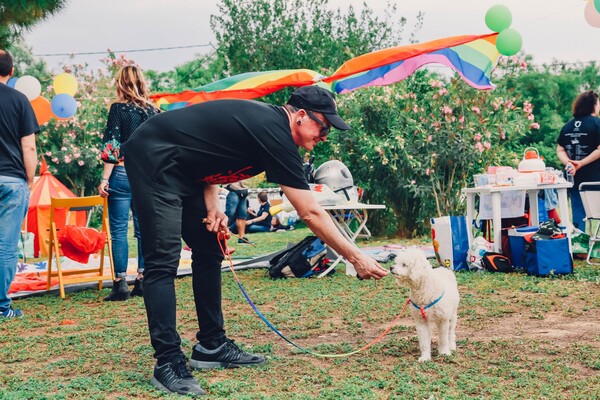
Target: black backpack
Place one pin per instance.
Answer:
(496, 262)
(300, 261)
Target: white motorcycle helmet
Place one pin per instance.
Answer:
(339, 179)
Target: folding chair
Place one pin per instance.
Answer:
(73, 204)
(590, 196)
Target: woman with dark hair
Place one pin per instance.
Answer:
(578, 149)
(129, 111)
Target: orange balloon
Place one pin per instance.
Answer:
(42, 109)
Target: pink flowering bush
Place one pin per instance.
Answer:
(415, 144)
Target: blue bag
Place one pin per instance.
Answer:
(545, 256)
(450, 241)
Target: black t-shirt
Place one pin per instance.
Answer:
(580, 137)
(216, 142)
(264, 208)
(17, 120)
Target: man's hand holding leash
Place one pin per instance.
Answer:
(216, 221)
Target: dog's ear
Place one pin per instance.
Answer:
(420, 266)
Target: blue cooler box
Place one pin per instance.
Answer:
(550, 255)
(516, 238)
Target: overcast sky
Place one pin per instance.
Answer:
(551, 29)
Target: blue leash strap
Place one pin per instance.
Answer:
(274, 329)
(415, 305)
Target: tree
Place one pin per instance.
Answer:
(263, 35)
(551, 90)
(204, 70)
(18, 15)
(26, 64)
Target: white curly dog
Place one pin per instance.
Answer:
(434, 299)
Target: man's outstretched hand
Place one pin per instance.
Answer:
(367, 268)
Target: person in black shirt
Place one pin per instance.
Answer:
(131, 109)
(578, 149)
(260, 220)
(18, 160)
(175, 162)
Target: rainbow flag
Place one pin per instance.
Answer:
(472, 57)
(249, 85)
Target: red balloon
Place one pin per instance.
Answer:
(42, 109)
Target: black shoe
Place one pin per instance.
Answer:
(245, 241)
(228, 355)
(138, 288)
(175, 377)
(119, 292)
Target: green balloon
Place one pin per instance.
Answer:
(498, 18)
(509, 42)
(597, 5)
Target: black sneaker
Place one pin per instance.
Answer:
(175, 377)
(245, 241)
(228, 355)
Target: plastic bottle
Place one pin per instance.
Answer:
(570, 178)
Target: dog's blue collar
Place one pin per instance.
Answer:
(415, 305)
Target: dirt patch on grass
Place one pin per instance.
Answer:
(560, 329)
(565, 322)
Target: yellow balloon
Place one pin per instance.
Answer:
(65, 84)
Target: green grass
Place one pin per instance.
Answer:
(519, 337)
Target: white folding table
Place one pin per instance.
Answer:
(532, 191)
(343, 216)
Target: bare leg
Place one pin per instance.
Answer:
(424, 335)
(241, 227)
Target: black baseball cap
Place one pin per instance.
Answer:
(315, 98)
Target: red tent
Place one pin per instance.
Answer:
(38, 216)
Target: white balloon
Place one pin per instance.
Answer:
(29, 86)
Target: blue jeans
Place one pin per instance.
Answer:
(256, 228)
(14, 201)
(252, 228)
(577, 209)
(119, 203)
(235, 208)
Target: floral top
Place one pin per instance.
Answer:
(123, 119)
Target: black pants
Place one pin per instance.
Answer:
(164, 218)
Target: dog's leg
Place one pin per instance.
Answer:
(424, 334)
(443, 327)
(452, 332)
